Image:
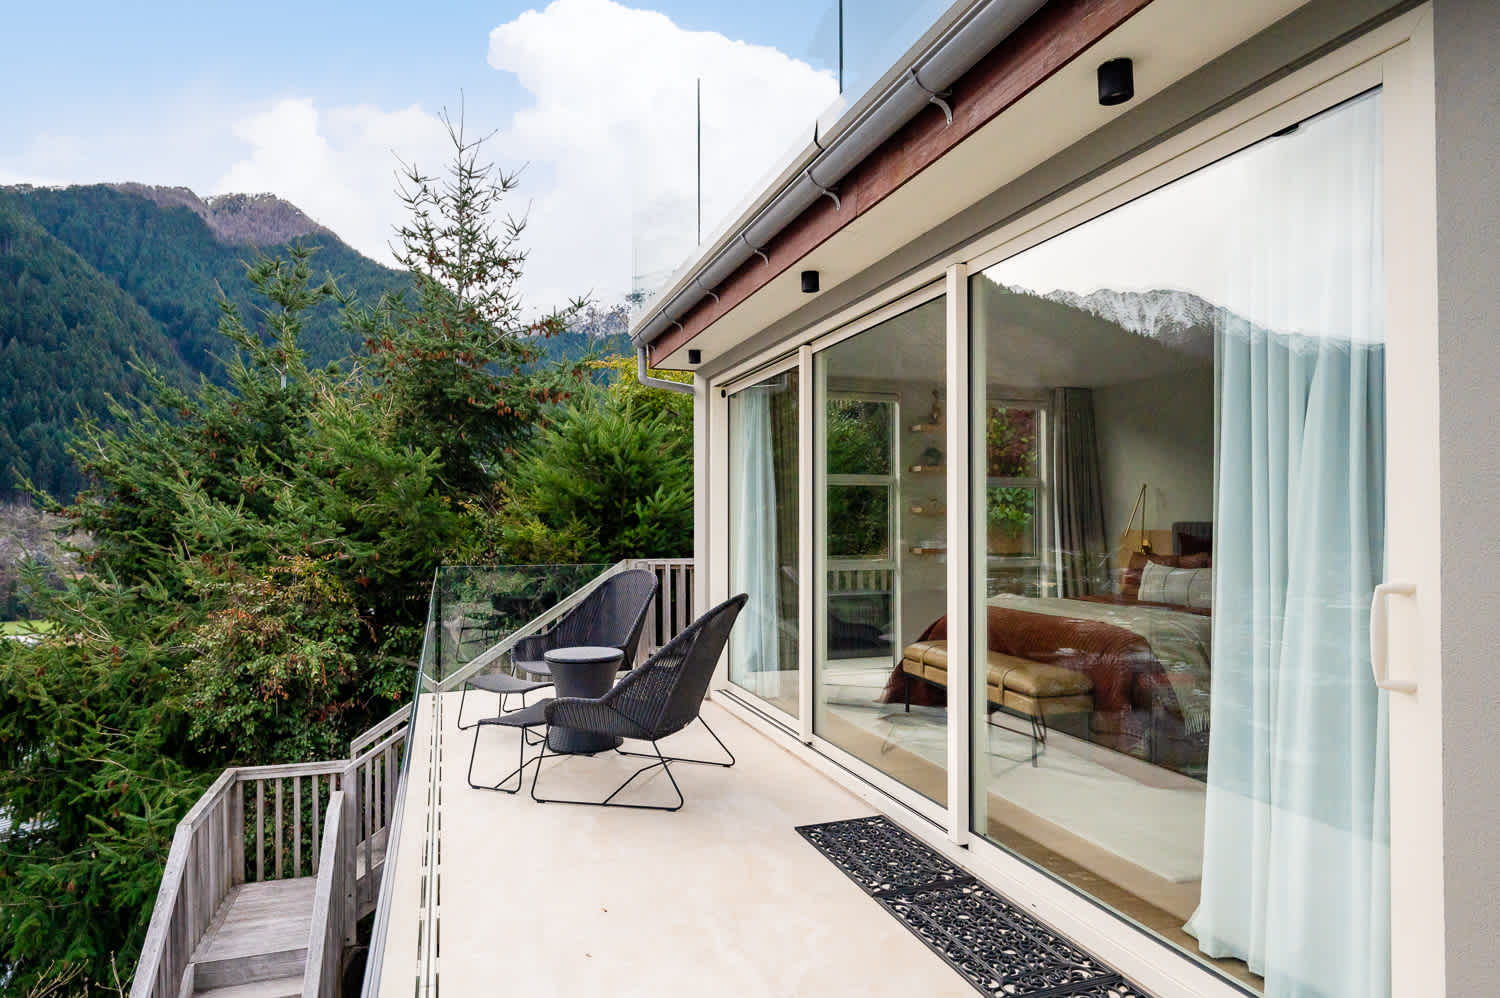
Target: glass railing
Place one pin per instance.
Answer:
(475, 607)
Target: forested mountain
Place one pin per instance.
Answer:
(91, 277)
(67, 334)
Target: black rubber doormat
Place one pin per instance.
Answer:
(996, 946)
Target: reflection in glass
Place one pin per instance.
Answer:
(763, 538)
(881, 536)
(859, 522)
(1175, 713)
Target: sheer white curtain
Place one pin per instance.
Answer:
(1296, 852)
(754, 657)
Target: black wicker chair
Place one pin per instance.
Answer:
(612, 616)
(659, 698)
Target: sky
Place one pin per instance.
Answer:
(593, 100)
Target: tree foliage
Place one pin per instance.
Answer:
(261, 546)
(457, 357)
(609, 478)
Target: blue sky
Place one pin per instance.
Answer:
(314, 101)
(99, 60)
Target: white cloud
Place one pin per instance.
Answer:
(614, 124)
(608, 144)
(337, 165)
(608, 140)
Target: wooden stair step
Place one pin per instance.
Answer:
(258, 934)
(280, 987)
(250, 969)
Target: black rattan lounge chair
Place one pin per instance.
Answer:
(658, 698)
(612, 616)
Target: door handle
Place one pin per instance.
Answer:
(1379, 636)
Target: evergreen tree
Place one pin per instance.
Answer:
(457, 360)
(261, 560)
(610, 478)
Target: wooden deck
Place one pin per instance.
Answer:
(269, 872)
(258, 936)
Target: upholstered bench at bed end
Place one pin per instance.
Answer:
(1017, 684)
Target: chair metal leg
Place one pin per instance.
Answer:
(517, 772)
(699, 762)
(525, 733)
(661, 761)
(464, 696)
(1038, 735)
(461, 725)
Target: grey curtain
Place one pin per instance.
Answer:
(1077, 493)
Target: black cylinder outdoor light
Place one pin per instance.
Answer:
(809, 281)
(1116, 82)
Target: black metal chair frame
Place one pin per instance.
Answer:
(691, 656)
(588, 623)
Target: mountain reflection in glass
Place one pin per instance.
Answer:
(1172, 704)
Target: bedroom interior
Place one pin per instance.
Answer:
(1176, 526)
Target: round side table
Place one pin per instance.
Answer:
(584, 671)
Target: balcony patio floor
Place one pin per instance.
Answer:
(723, 896)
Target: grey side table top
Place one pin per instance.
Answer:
(583, 655)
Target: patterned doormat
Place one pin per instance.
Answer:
(996, 946)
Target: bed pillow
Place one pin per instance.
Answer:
(1130, 579)
(1189, 587)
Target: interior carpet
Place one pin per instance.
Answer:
(995, 945)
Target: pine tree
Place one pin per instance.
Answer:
(457, 361)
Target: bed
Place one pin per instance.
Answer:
(1148, 658)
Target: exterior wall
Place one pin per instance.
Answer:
(1295, 40)
(1466, 38)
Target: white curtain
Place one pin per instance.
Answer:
(1296, 851)
(754, 655)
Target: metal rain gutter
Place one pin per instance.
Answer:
(925, 82)
(661, 383)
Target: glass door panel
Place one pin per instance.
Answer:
(880, 536)
(1176, 713)
(763, 538)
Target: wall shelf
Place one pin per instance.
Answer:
(928, 428)
(927, 469)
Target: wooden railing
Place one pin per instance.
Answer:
(371, 781)
(329, 931)
(672, 609)
(258, 823)
(199, 873)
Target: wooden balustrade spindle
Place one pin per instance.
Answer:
(296, 826)
(260, 827)
(277, 841)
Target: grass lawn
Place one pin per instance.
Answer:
(9, 628)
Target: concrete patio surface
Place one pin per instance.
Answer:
(498, 894)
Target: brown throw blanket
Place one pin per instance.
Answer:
(1111, 656)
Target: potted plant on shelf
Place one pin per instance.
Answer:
(1008, 517)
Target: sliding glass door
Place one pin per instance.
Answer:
(880, 536)
(764, 538)
(1169, 516)
(1175, 713)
